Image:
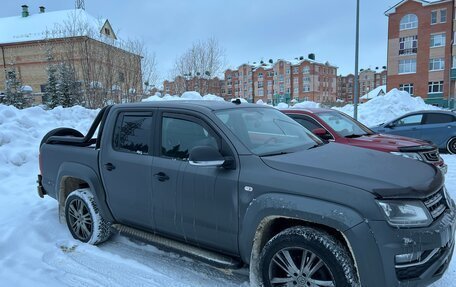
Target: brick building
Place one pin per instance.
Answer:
(368, 81)
(420, 50)
(282, 81)
(345, 87)
(101, 66)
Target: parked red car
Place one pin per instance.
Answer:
(332, 125)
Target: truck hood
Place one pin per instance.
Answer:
(384, 175)
(387, 143)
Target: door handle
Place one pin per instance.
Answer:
(161, 176)
(109, 166)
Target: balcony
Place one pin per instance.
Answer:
(408, 51)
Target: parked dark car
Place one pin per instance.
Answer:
(333, 125)
(242, 184)
(438, 127)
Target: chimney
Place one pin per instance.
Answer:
(42, 9)
(25, 11)
(311, 56)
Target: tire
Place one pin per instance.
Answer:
(280, 262)
(84, 219)
(61, 132)
(451, 145)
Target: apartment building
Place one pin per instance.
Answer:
(282, 81)
(345, 88)
(421, 49)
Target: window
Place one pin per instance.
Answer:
(409, 121)
(295, 81)
(436, 64)
(435, 87)
(435, 16)
(260, 92)
(180, 136)
(269, 83)
(306, 79)
(132, 133)
(306, 88)
(409, 21)
(260, 75)
(107, 31)
(295, 91)
(408, 45)
(438, 40)
(454, 62)
(306, 70)
(295, 70)
(407, 66)
(407, 88)
(309, 124)
(437, 118)
(288, 71)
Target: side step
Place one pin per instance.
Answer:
(210, 257)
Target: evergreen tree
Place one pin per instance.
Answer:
(68, 88)
(13, 93)
(51, 91)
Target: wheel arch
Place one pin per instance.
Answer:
(72, 176)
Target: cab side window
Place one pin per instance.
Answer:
(410, 120)
(180, 136)
(132, 133)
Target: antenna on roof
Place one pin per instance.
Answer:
(80, 4)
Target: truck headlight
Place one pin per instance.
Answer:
(406, 214)
(412, 155)
(448, 198)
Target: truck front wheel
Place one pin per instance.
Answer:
(303, 257)
(84, 219)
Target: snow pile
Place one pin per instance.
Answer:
(378, 91)
(393, 104)
(22, 130)
(210, 97)
(307, 105)
(191, 96)
(282, 106)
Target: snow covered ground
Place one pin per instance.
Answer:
(36, 250)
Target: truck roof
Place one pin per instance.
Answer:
(190, 104)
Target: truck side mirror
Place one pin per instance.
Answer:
(390, 125)
(205, 156)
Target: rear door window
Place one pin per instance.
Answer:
(132, 133)
(437, 118)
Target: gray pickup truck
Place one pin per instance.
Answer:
(240, 185)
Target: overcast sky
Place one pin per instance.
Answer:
(249, 30)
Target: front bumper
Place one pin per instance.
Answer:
(375, 254)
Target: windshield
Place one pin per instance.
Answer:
(267, 131)
(344, 125)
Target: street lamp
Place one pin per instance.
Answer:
(356, 88)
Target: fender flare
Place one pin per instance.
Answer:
(87, 174)
(271, 206)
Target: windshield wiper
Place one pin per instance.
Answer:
(275, 153)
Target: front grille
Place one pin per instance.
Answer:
(436, 203)
(431, 156)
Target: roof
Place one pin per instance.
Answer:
(375, 93)
(41, 26)
(423, 3)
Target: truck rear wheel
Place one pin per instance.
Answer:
(61, 132)
(84, 219)
(303, 257)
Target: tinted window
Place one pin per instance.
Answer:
(439, 118)
(311, 124)
(132, 133)
(179, 136)
(343, 125)
(410, 120)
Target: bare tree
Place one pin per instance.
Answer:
(205, 59)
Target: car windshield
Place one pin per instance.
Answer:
(344, 125)
(266, 131)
